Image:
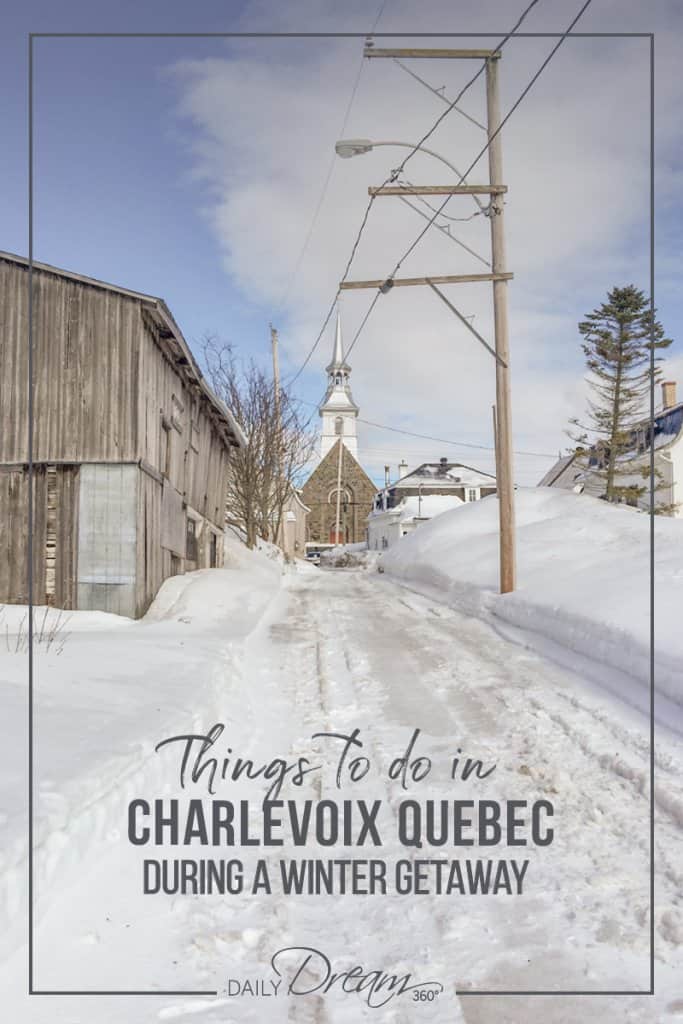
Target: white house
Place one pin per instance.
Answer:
(572, 472)
(291, 535)
(429, 490)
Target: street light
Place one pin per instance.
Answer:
(346, 148)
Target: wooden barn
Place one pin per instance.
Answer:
(130, 446)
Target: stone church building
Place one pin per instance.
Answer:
(338, 441)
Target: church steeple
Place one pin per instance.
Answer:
(338, 352)
(338, 409)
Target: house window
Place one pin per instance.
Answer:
(472, 494)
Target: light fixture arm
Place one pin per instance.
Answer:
(368, 145)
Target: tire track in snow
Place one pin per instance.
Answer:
(529, 682)
(347, 651)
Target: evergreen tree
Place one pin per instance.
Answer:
(618, 338)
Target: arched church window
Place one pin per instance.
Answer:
(338, 379)
(339, 426)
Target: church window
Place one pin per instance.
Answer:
(339, 426)
(338, 379)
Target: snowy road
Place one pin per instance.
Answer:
(344, 650)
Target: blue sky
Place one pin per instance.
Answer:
(113, 195)
(190, 169)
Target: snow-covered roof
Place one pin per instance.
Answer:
(429, 506)
(554, 472)
(338, 399)
(414, 507)
(668, 426)
(448, 475)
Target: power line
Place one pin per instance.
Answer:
(392, 177)
(462, 92)
(446, 216)
(438, 440)
(436, 214)
(457, 444)
(328, 177)
(440, 209)
(447, 231)
(438, 92)
(500, 127)
(321, 199)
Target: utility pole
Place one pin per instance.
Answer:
(498, 276)
(279, 529)
(504, 458)
(339, 478)
(495, 442)
(276, 373)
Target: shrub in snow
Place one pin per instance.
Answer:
(48, 631)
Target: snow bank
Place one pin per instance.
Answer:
(228, 597)
(105, 691)
(583, 577)
(348, 556)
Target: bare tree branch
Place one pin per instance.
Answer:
(280, 442)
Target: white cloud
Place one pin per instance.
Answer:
(262, 123)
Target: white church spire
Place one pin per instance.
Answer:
(338, 353)
(338, 410)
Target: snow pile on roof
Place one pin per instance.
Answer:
(583, 579)
(448, 474)
(429, 506)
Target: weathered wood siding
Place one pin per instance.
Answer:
(86, 344)
(115, 392)
(55, 529)
(154, 563)
(171, 412)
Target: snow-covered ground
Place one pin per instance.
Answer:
(583, 585)
(106, 689)
(278, 657)
(348, 556)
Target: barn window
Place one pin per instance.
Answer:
(191, 546)
(194, 437)
(165, 447)
(177, 410)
